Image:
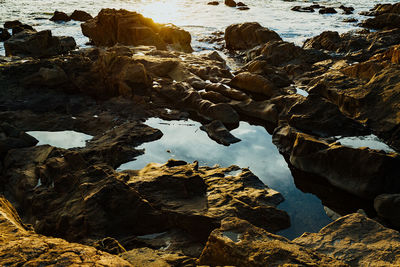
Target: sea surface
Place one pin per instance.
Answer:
(184, 140)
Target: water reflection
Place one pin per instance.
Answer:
(185, 141)
(371, 141)
(63, 139)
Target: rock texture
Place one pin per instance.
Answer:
(21, 246)
(356, 240)
(238, 243)
(112, 26)
(248, 35)
(38, 44)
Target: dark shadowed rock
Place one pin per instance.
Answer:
(59, 16)
(238, 243)
(80, 15)
(387, 20)
(12, 24)
(213, 3)
(38, 44)
(388, 207)
(21, 246)
(230, 3)
(302, 9)
(4, 35)
(218, 132)
(254, 83)
(355, 240)
(248, 35)
(327, 10)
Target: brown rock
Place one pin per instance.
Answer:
(327, 40)
(388, 206)
(19, 246)
(213, 3)
(4, 35)
(355, 240)
(254, 83)
(248, 35)
(384, 21)
(238, 243)
(230, 3)
(112, 26)
(327, 10)
(218, 132)
(60, 16)
(38, 44)
(80, 15)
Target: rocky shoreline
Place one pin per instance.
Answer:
(71, 206)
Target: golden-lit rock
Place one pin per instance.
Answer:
(112, 26)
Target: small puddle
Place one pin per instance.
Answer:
(62, 139)
(302, 92)
(235, 237)
(371, 141)
(233, 173)
(184, 140)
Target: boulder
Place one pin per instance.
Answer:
(371, 172)
(59, 16)
(248, 35)
(355, 240)
(12, 24)
(213, 3)
(38, 44)
(230, 3)
(238, 243)
(80, 15)
(327, 40)
(217, 131)
(327, 10)
(383, 21)
(12, 137)
(4, 35)
(112, 26)
(254, 83)
(21, 246)
(302, 9)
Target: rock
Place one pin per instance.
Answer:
(155, 258)
(80, 15)
(347, 10)
(59, 16)
(21, 246)
(265, 111)
(254, 83)
(12, 24)
(248, 35)
(112, 26)
(230, 3)
(218, 132)
(238, 243)
(11, 138)
(302, 9)
(21, 28)
(38, 44)
(350, 20)
(109, 245)
(327, 10)
(213, 3)
(384, 21)
(4, 35)
(355, 240)
(317, 116)
(209, 193)
(327, 40)
(388, 206)
(243, 8)
(239, 4)
(370, 173)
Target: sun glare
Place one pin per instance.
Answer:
(162, 11)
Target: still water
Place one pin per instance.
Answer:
(195, 16)
(63, 139)
(185, 141)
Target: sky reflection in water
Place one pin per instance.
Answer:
(63, 139)
(185, 141)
